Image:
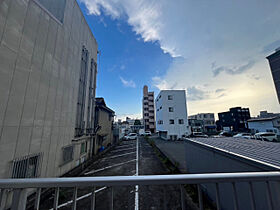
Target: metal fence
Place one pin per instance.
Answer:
(20, 186)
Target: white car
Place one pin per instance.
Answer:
(131, 136)
(147, 133)
(266, 136)
(243, 135)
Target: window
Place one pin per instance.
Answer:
(145, 98)
(171, 122)
(160, 107)
(80, 123)
(145, 103)
(160, 122)
(146, 114)
(26, 167)
(83, 148)
(67, 154)
(170, 109)
(170, 97)
(159, 96)
(55, 7)
(181, 121)
(90, 108)
(205, 115)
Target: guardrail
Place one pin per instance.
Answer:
(20, 186)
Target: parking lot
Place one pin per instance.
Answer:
(129, 158)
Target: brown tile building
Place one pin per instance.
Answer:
(148, 110)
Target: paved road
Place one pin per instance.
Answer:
(130, 158)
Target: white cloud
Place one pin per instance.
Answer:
(128, 83)
(131, 116)
(237, 35)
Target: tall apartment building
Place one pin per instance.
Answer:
(148, 110)
(235, 119)
(47, 87)
(171, 114)
(274, 62)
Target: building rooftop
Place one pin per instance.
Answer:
(262, 119)
(259, 151)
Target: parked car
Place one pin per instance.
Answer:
(147, 133)
(131, 136)
(225, 134)
(198, 134)
(243, 135)
(266, 136)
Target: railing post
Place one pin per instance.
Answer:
(92, 207)
(200, 198)
(3, 197)
(75, 193)
(112, 198)
(164, 198)
(37, 199)
(55, 199)
(183, 206)
(19, 199)
(268, 195)
(252, 197)
(218, 197)
(236, 206)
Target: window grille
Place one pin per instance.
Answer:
(27, 166)
(90, 98)
(67, 154)
(80, 124)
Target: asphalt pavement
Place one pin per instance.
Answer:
(129, 158)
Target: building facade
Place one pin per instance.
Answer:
(235, 119)
(103, 124)
(206, 121)
(171, 114)
(148, 110)
(270, 124)
(265, 114)
(47, 87)
(274, 62)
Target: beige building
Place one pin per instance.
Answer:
(148, 110)
(104, 118)
(47, 87)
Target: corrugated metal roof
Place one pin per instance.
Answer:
(267, 152)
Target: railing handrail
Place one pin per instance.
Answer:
(139, 180)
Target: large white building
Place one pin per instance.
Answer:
(171, 114)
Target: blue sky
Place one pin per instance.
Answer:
(215, 50)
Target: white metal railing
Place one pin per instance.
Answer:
(20, 186)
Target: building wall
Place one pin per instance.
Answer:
(203, 159)
(274, 62)
(106, 130)
(39, 77)
(264, 126)
(163, 114)
(235, 119)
